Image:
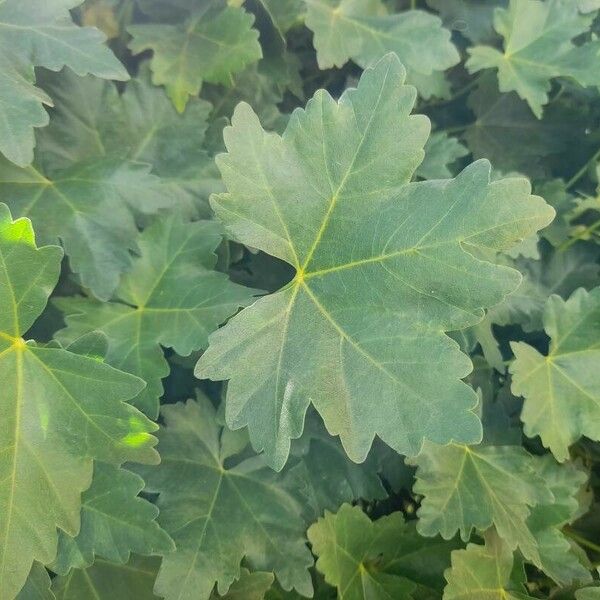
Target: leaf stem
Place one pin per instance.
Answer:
(413, 4)
(582, 171)
(581, 540)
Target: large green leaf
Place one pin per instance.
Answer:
(483, 573)
(90, 208)
(109, 581)
(37, 586)
(40, 33)
(60, 410)
(384, 559)
(562, 389)
(537, 48)
(211, 45)
(114, 523)
(383, 268)
(172, 296)
(363, 31)
(468, 488)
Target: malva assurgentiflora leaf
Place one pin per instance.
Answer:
(61, 411)
(384, 268)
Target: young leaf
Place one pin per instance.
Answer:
(483, 573)
(561, 390)
(172, 296)
(109, 581)
(537, 48)
(383, 267)
(468, 488)
(376, 560)
(90, 209)
(363, 32)
(40, 33)
(61, 410)
(211, 45)
(114, 523)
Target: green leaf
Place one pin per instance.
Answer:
(383, 267)
(507, 133)
(287, 13)
(250, 586)
(61, 410)
(537, 48)
(482, 573)
(211, 45)
(362, 31)
(40, 33)
(114, 523)
(109, 581)
(561, 389)
(90, 208)
(91, 120)
(441, 150)
(468, 488)
(372, 560)
(546, 519)
(220, 508)
(472, 18)
(37, 585)
(171, 297)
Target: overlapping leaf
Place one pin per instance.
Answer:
(221, 503)
(562, 389)
(468, 488)
(60, 410)
(364, 31)
(483, 573)
(211, 45)
(376, 560)
(537, 48)
(172, 296)
(92, 120)
(109, 581)
(41, 33)
(383, 267)
(114, 523)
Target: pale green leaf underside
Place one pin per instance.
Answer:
(41, 33)
(383, 268)
(537, 48)
(562, 389)
(59, 409)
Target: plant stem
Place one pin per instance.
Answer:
(581, 540)
(460, 92)
(582, 171)
(413, 4)
(581, 235)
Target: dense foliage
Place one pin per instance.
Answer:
(300, 298)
